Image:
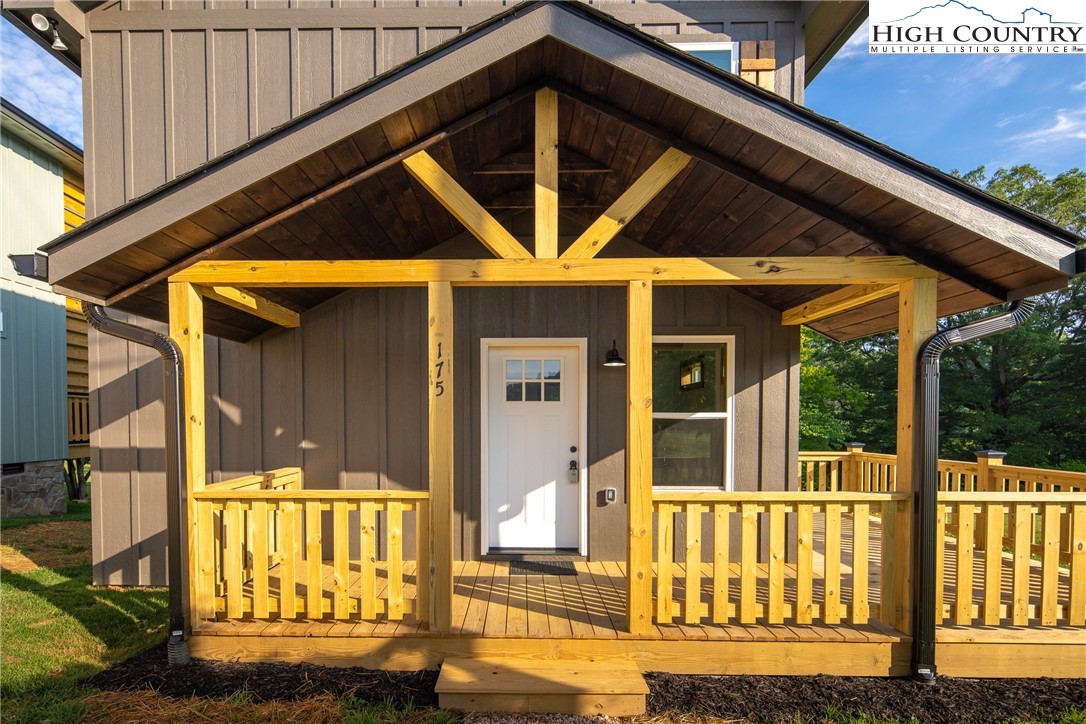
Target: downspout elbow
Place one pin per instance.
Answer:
(173, 370)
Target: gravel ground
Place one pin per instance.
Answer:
(690, 698)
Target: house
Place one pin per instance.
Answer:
(458, 285)
(43, 345)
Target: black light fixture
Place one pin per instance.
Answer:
(614, 359)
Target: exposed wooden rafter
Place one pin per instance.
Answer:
(253, 304)
(462, 205)
(803, 201)
(626, 206)
(546, 174)
(321, 194)
(577, 272)
(835, 302)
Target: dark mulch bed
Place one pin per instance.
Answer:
(751, 698)
(775, 698)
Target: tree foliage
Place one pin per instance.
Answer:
(1020, 391)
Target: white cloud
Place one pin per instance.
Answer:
(1079, 87)
(39, 85)
(1067, 126)
(854, 46)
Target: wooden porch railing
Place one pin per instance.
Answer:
(261, 537)
(1033, 568)
(707, 591)
(78, 418)
(859, 471)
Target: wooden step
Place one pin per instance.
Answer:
(607, 687)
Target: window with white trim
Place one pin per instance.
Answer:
(721, 54)
(692, 403)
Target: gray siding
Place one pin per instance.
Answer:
(344, 397)
(33, 346)
(167, 90)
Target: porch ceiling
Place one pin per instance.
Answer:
(745, 193)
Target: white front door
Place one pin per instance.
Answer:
(533, 436)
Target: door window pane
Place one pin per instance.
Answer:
(552, 391)
(513, 369)
(552, 369)
(533, 369)
(533, 392)
(513, 392)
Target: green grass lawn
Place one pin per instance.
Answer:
(57, 628)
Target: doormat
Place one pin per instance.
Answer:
(545, 568)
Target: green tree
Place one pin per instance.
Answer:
(1018, 391)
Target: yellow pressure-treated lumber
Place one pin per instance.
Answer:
(776, 564)
(314, 580)
(288, 602)
(464, 207)
(546, 173)
(253, 304)
(804, 563)
(187, 330)
(916, 325)
(367, 529)
(626, 206)
(395, 561)
(665, 537)
(258, 533)
(692, 610)
(341, 561)
(839, 301)
(556, 272)
(441, 416)
(721, 544)
(1076, 607)
(639, 457)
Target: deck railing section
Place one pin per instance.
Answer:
(736, 587)
(1033, 568)
(262, 546)
(78, 418)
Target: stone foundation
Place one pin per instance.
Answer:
(38, 490)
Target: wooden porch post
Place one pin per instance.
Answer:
(916, 325)
(440, 334)
(187, 329)
(639, 457)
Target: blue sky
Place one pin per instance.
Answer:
(950, 111)
(961, 111)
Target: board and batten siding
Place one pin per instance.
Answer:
(167, 89)
(344, 397)
(33, 401)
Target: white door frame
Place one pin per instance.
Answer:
(581, 345)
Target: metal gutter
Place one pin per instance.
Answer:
(923, 651)
(173, 371)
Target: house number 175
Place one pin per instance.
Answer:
(439, 366)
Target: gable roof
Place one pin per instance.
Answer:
(769, 176)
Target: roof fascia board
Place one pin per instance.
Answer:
(782, 124)
(298, 139)
(475, 50)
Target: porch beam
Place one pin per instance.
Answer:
(639, 457)
(803, 201)
(439, 329)
(187, 330)
(253, 304)
(546, 174)
(319, 195)
(916, 325)
(469, 212)
(628, 205)
(556, 272)
(842, 300)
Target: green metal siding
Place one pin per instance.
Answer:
(33, 386)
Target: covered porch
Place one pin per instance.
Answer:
(554, 148)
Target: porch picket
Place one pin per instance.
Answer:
(1038, 583)
(295, 524)
(785, 596)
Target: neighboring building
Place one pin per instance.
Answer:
(413, 236)
(43, 347)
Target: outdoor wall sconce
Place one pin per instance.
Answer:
(614, 359)
(44, 25)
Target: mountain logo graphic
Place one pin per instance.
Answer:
(1029, 15)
